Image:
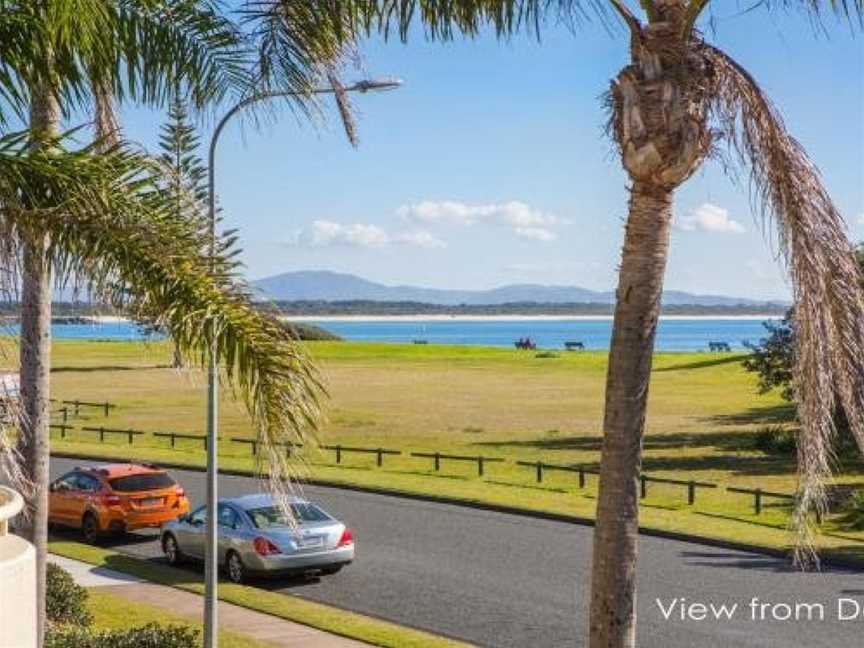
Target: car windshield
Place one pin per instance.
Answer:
(273, 516)
(142, 482)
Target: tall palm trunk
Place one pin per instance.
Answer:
(659, 120)
(35, 358)
(640, 286)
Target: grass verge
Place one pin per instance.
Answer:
(330, 619)
(114, 612)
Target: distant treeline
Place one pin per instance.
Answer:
(367, 307)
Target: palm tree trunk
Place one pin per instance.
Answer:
(35, 359)
(640, 286)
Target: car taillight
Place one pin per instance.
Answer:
(346, 539)
(264, 547)
(111, 500)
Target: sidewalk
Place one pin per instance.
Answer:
(240, 620)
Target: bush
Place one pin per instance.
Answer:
(65, 600)
(854, 512)
(310, 332)
(776, 440)
(151, 635)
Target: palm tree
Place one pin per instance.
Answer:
(672, 107)
(87, 213)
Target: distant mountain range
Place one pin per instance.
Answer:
(333, 286)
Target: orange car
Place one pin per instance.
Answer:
(115, 498)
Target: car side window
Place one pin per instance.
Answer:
(227, 517)
(87, 483)
(199, 515)
(67, 482)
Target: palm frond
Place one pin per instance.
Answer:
(851, 10)
(114, 226)
(829, 304)
(446, 19)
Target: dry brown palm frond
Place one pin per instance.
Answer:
(829, 304)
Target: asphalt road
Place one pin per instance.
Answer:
(509, 581)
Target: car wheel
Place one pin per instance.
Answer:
(329, 571)
(171, 550)
(234, 567)
(90, 528)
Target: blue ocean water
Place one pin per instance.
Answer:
(672, 334)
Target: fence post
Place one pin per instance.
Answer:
(130, 436)
(437, 461)
(107, 406)
(380, 457)
(539, 471)
(757, 501)
(173, 439)
(581, 477)
(643, 487)
(479, 466)
(288, 450)
(205, 442)
(691, 492)
(77, 405)
(338, 454)
(65, 411)
(101, 434)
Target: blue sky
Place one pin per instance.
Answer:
(490, 166)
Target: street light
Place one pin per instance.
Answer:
(211, 559)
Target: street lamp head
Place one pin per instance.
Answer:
(376, 85)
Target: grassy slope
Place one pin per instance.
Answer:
(703, 414)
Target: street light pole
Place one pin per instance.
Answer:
(211, 558)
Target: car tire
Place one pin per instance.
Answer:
(329, 571)
(234, 568)
(171, 550)
(90, 528)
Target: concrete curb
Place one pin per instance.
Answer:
(826, 558)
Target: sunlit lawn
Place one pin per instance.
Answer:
(704, 412)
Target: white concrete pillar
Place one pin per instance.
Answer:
(17, 579)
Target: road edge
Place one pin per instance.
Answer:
(827, 557)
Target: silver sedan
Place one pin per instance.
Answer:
(256, 538)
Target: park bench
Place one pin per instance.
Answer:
(574, 346)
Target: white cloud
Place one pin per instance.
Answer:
(324, 233)
(524, 220)
(535, 233)
(709, 218)
(419, 238)
(861, 219)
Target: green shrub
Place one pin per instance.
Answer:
(854, 511)
(775, 439)
(65, 600)
(151, 635)
(310, 332)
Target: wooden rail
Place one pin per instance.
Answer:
(540, 467)
(380, 452)
(437, 457)
(130, 434)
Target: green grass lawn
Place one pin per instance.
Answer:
(703, 416)
(115, 612)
